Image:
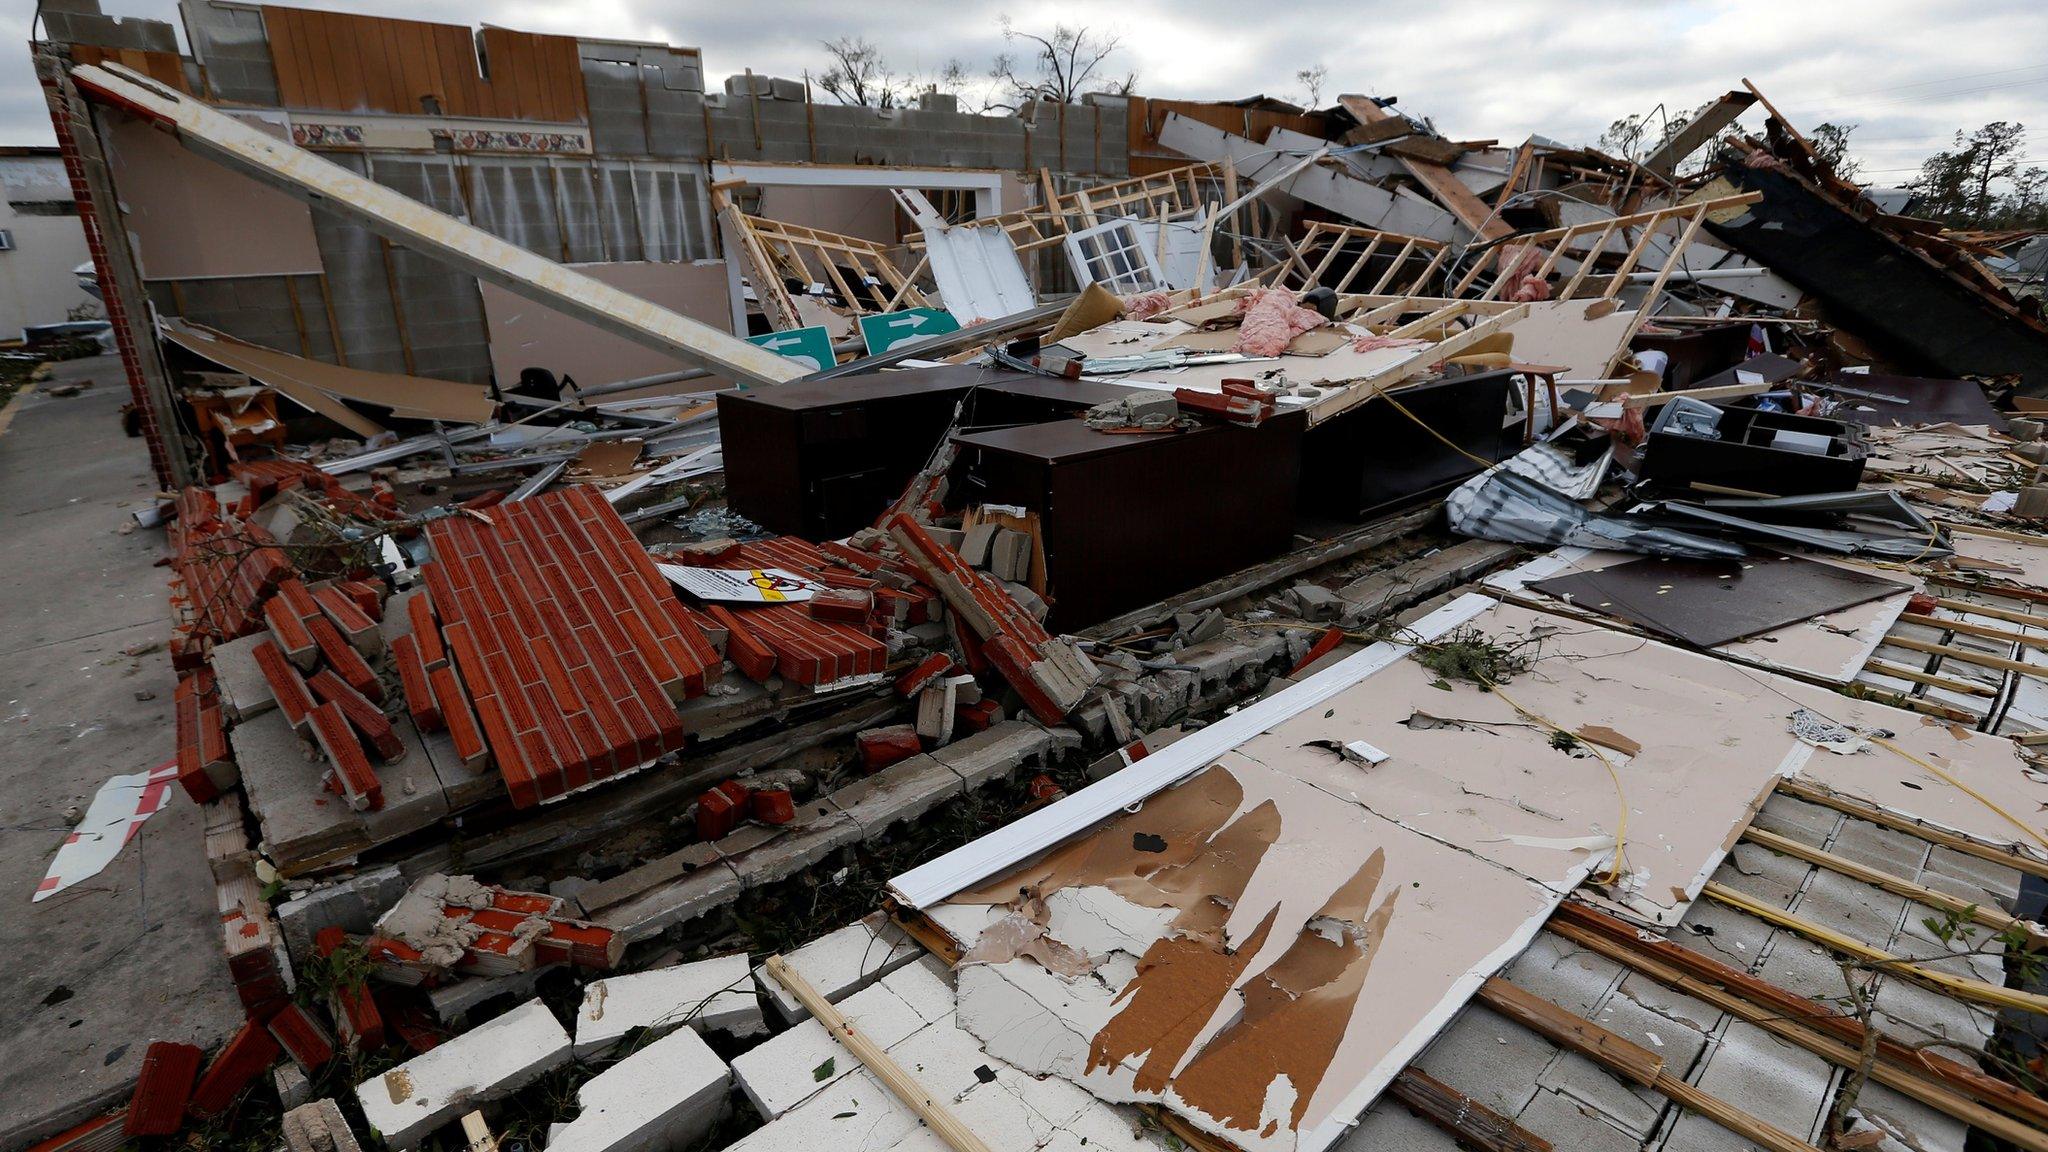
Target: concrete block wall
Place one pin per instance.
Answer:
(229, 44)
(253, 308)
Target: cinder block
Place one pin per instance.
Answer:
(708, 995)
(796, 1065)
(666, 1095)
(998, 752)
(486, 1063)
(841, 962)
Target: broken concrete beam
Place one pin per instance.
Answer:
(762, 856)
(318, 1127)
(935, 706)
(353, 905)
(998, 752)
(2032, 501)
(714, 995)
(901, 792)
(664, 905)
(2025, 430)
(162, 1089)
(454, 1000)
(668, 1094)
(1316, 603)
(488, 1062)
(842, 962)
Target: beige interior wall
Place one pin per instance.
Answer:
(192, 219)
(524, 334)
(869, 213)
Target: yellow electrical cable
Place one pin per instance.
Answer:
(1620, 795)
(1972, 793)
(1482, 461)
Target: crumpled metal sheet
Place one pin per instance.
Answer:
(1507, 506)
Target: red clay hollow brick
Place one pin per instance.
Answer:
(303, 1038)
(163, 1089)
(365, 717)
(881, 747)
(345, 755)
(247, 1055)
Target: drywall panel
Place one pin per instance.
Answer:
(524, 334)
(412, 397)
(1241, 949)
(191, 219)
(869, 213)
(1573, 335)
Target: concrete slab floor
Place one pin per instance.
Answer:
(133, 954)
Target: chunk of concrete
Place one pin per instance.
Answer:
(801, 1062)
(487, 1063)
(1009, 556)
(666, 1095)
(318, 1127)
(995, 753)
(708, 995)
(842, 962)
(353, 905)
(901, 792)
(244, 690)
(975, 544)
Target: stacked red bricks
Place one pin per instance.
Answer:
(810, 643)
(324, 687)
(266, 478)
(1050, 674)
(205, 767)
(223, 569)
(566, 638)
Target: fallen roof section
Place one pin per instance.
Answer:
(393, 216)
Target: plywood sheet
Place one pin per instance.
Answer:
(524, 334)
(192, 219)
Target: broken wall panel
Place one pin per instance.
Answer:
(350, 63)
(1254, 957)
(195, 220)
(524, 334)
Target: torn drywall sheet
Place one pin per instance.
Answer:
(411, 397)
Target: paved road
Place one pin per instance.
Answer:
(133, 954)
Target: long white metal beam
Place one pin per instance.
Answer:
(407, 222)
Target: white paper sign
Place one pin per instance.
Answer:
(741, 585)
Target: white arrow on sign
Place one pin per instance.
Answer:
(792, 340)
(912, 320)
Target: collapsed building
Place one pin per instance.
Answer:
(708, 619)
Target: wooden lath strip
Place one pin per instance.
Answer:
(1559, 240)
(1996, 919)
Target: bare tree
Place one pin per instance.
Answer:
(1313, 79)
(859, 75)
(1058, 67)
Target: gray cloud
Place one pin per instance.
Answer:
(1907, 72)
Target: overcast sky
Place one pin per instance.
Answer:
(1907, 72)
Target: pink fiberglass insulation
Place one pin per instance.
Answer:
(1372, 343)
(1523, 284)
(1145, 305)
(1272, 318)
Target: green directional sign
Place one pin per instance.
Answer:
(892, 328)
(811, 347)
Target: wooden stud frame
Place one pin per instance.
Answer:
(1594, 235)
(1332, 240)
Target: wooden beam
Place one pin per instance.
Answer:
(1863, 810)
(1471, 1123)
(1990, 917)
(1965, 655)
(1631, 1061)
(1718, 392)
(1893, 670)
(1985, 631)
(877, 1060)
(1963, 988)
(1947, 1085)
